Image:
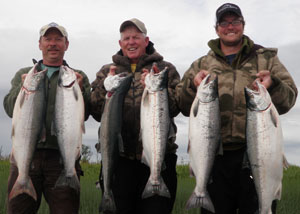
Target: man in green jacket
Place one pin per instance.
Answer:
(46, 165)
(137, 53)
(237, 62)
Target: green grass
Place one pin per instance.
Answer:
(90, 196)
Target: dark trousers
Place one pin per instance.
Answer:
(46, 167)
(129, 182)
(232, 189)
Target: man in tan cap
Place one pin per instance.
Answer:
(46, 165)
(136, 56)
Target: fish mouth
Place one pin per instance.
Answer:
(70, 85)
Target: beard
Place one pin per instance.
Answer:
(232, 43)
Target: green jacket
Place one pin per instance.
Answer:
(51, 85)
(232, 80)
(131, 116)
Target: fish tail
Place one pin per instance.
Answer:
(196, 201)
(108, 203)
(156, 189)
(20, 188)
(64, 181)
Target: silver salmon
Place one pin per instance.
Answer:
(264, 146)
(155, 126)
(27, 129)
(111, 142)
(204, 140)
(68, 125)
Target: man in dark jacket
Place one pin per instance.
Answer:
(237, 62)
(46, 165)
(137, 54)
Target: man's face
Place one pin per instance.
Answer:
(53, 46)
(230, 35)
(133, 43)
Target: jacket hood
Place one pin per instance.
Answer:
(150, 56)
(149, 49)
(247, 45)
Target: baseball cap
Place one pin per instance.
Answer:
(228, 7)
(61, 29)
(135, 22)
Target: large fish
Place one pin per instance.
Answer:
(155, 125)
(110, 133)
(204, 140)
(27, 129)
(68, 125)
(264, 146)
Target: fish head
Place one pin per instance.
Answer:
(156, 81)
(208, 89)
(257, 100)
(118, 82)
(34, 78)
(67, 77)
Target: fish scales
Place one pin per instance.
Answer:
(27, 129)
(68, 125)
(111, 142)
(204, 140)
(264, 146)
(155, 125)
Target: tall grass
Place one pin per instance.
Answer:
(90, 196)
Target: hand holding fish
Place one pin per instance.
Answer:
(264, 77)
(146, 71)
(112, 70)
(199, 77)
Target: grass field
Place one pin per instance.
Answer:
(90, 196)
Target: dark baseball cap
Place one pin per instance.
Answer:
(228, 7)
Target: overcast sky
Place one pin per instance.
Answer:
(180, 30)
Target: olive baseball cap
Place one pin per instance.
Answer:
(135, 22)
(60, 28)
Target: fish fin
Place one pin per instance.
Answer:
(13, 131)
(220, 148)
(120, 143)
(19, 188)
(195, 201)
(188, 147)
(108, 204)
(12, 158)
(285, 162)
(160, 189)
(43, 134)
(278, 192)
(195, 108)
(144, 159)
(140, 135)
(75, 92)
(22, 99)
(192, 174)
(72, 181)
(53, 129)
(274, 117)
(145, 97)
(83, 127)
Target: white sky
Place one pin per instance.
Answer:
(180, 30)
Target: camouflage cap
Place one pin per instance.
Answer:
(60, 28)
(135, 22)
